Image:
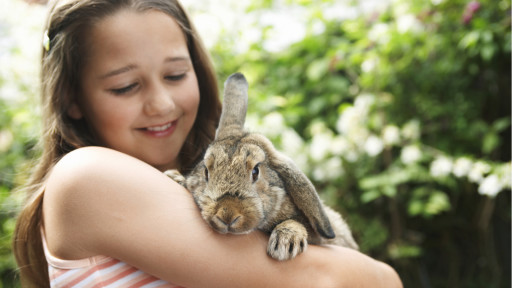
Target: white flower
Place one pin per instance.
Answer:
(352, 156)
(329, 170)
(391, 135)
(440, 167)
(349, 118)
(411, 130)
(273, 124)
(408, 23)
(373, 145)
(291, 142)
(363, 102)
(462, 166)
(352, 122)
(379, 33)
(284, 28)
(477, 172)
(410, 154)
(320, 146)
(504, 173)
(369, 65)
(490, 186)
(358, 138)
(339, 145)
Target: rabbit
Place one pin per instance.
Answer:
(243, 183)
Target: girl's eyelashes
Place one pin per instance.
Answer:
(124, 90)
(177, 77)
(133, 86)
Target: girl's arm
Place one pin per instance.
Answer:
(102, 202)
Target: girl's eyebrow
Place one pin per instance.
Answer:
(131, 66)
(181, 60)
(118, 71)
(177, 59)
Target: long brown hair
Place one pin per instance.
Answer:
(61, 70)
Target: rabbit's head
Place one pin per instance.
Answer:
(235, 188)
(241, 182)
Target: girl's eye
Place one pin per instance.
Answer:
(124, 90)
(175, 77)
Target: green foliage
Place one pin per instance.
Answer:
(16, 150)
(19, 121)
(402, 120)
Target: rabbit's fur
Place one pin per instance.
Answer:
(243, 183)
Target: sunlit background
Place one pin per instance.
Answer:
(399, 111)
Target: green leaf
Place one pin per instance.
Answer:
(438, 202)
(501, 124)
(405, 251)
(470, 40)
(369, 196)
(317, 69)
(488, 52)
(491, 141)
(428, 202)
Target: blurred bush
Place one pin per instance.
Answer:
(400, 115)
(19, 122)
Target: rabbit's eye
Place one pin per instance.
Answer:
(255, 173)
(206, 174)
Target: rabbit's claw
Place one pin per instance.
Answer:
(176, 176)
(288, 239)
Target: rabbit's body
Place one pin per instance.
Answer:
(243, 183)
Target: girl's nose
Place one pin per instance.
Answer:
(159, 101)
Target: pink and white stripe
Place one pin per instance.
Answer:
(96, 272)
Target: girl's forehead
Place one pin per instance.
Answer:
(131, 36)
(130, 22)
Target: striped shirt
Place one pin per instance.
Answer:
(98, 271)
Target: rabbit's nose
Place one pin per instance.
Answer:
(229, 221)
(226, 222)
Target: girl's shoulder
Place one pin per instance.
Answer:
(93, 157)
(93, 192)
(89, 167)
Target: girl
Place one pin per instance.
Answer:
(129, 91)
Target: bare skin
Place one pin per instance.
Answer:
(102, 202)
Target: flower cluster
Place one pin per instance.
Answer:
(323, 156)
(471, 8)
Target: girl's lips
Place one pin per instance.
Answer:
(160, 130)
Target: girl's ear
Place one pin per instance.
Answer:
(74, 111)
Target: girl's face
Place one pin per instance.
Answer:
(139, 89)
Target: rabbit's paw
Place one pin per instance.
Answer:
(176, 176)
(288, 239)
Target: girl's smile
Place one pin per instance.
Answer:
(160, 130)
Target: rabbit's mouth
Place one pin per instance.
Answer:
(234, 215)
(235, 227)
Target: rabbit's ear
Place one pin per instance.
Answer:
(234, 105)
(303, 193)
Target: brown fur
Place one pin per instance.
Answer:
(244, 183)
